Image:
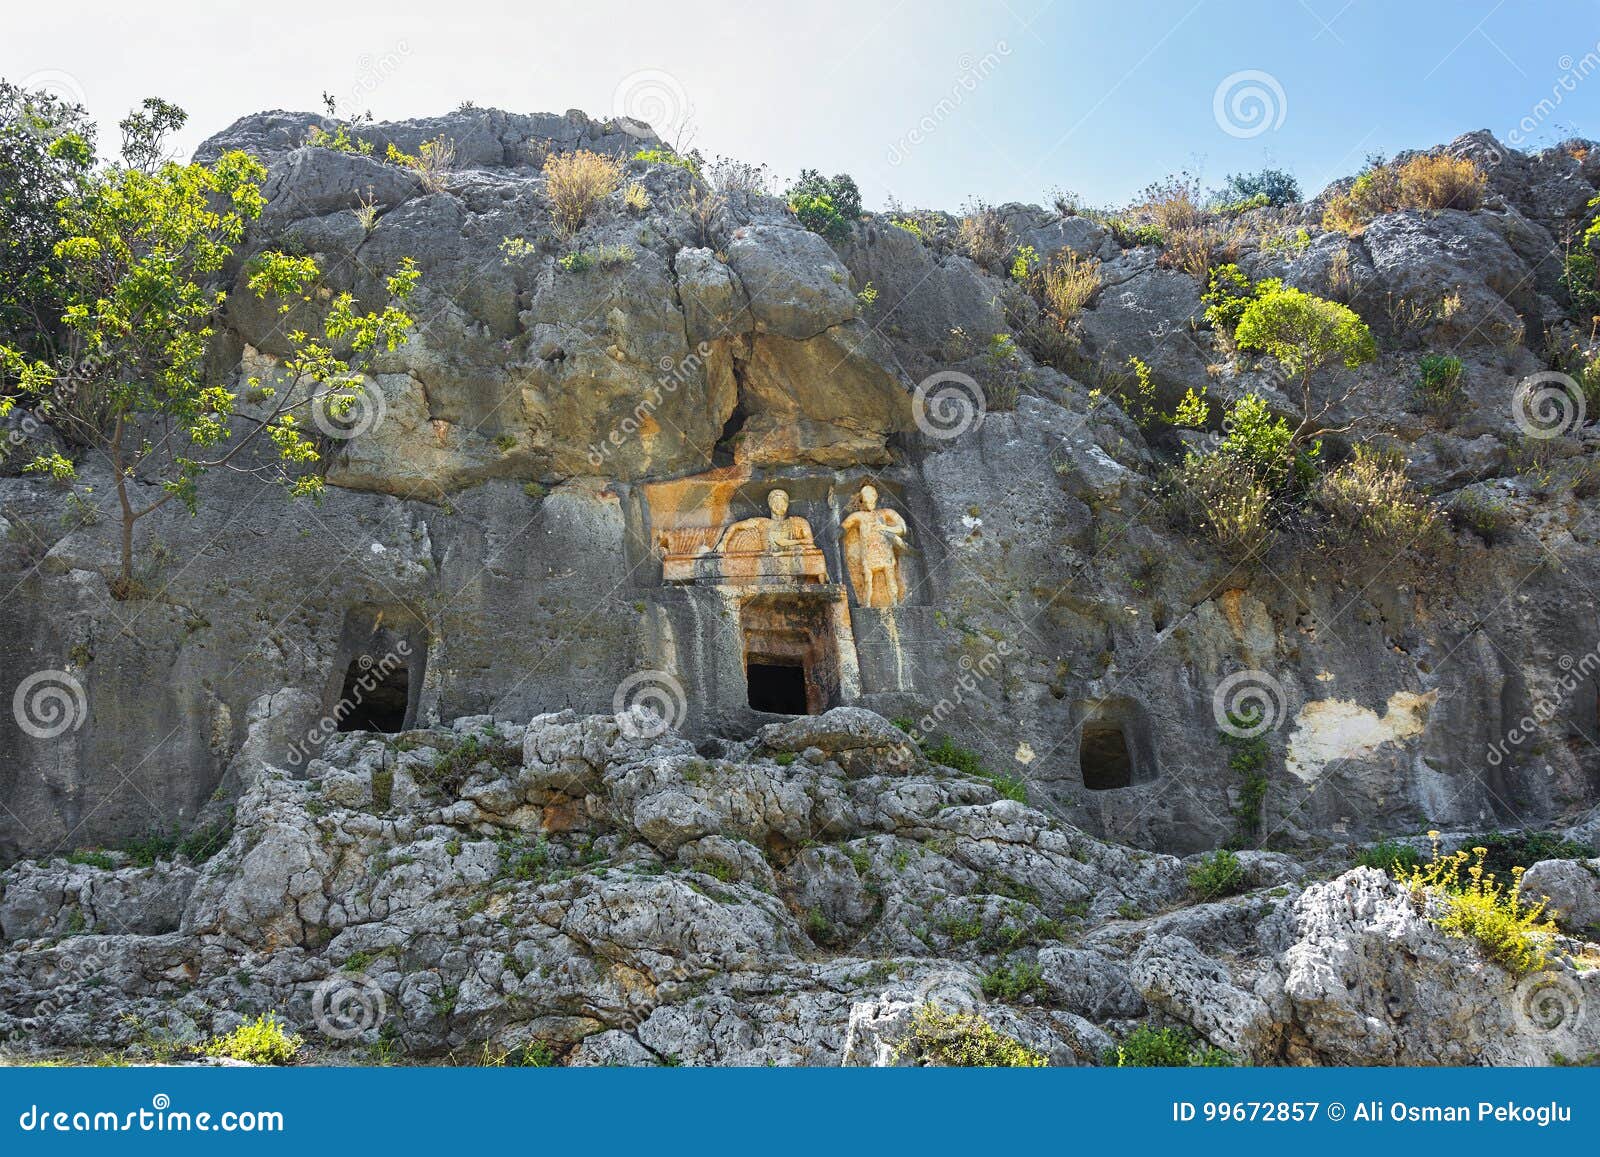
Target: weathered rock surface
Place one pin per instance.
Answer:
(624, 900)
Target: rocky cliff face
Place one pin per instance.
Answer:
(498, 522)
(600, 894)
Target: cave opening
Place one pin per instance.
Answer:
(777, 687)
(1104, 758)
(722, 454)
(376, 694)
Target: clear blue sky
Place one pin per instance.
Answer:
(929, 102)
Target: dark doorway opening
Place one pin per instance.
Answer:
(1103, 757)
(375, 696)
(778, 688)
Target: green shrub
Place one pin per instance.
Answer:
(1304, 332)
(1249, 759)
(520, 860)
(1268, 186)
(1258, 440)
(824, 206)
(667, 157)
(601, 256)
(1012, 982)
(1580, 276)
(1476, 905)
(92, 859)
(198, 845)
(1439, 382)
(1229, 292)
(819, 215)
(841, 190)
(1133, 234)
(1166, 1048)
(910, 225)
(1024, 263)
(963, 1040)
(1390, 856)
(1505, 852)
(262, 1041)
(1219, 874)
(962, 759)
(341, 141)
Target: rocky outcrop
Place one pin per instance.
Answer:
(625, 900)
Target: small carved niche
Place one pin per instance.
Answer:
(378, 671)
(790, 657)
(1114, 744)
(1104, 758)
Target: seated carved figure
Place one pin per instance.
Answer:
(873, 542)
(776, 548)
(778, 534)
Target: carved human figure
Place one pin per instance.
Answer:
(778, 534)
(874, 539)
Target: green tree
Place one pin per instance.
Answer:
(46, 148)
(824, 206)
(129, 382)
(1305, 334)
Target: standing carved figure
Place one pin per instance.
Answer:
(874, 539)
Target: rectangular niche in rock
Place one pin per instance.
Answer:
(790, 657)
(378, 671)
(1114, 744)
(1104, 758)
